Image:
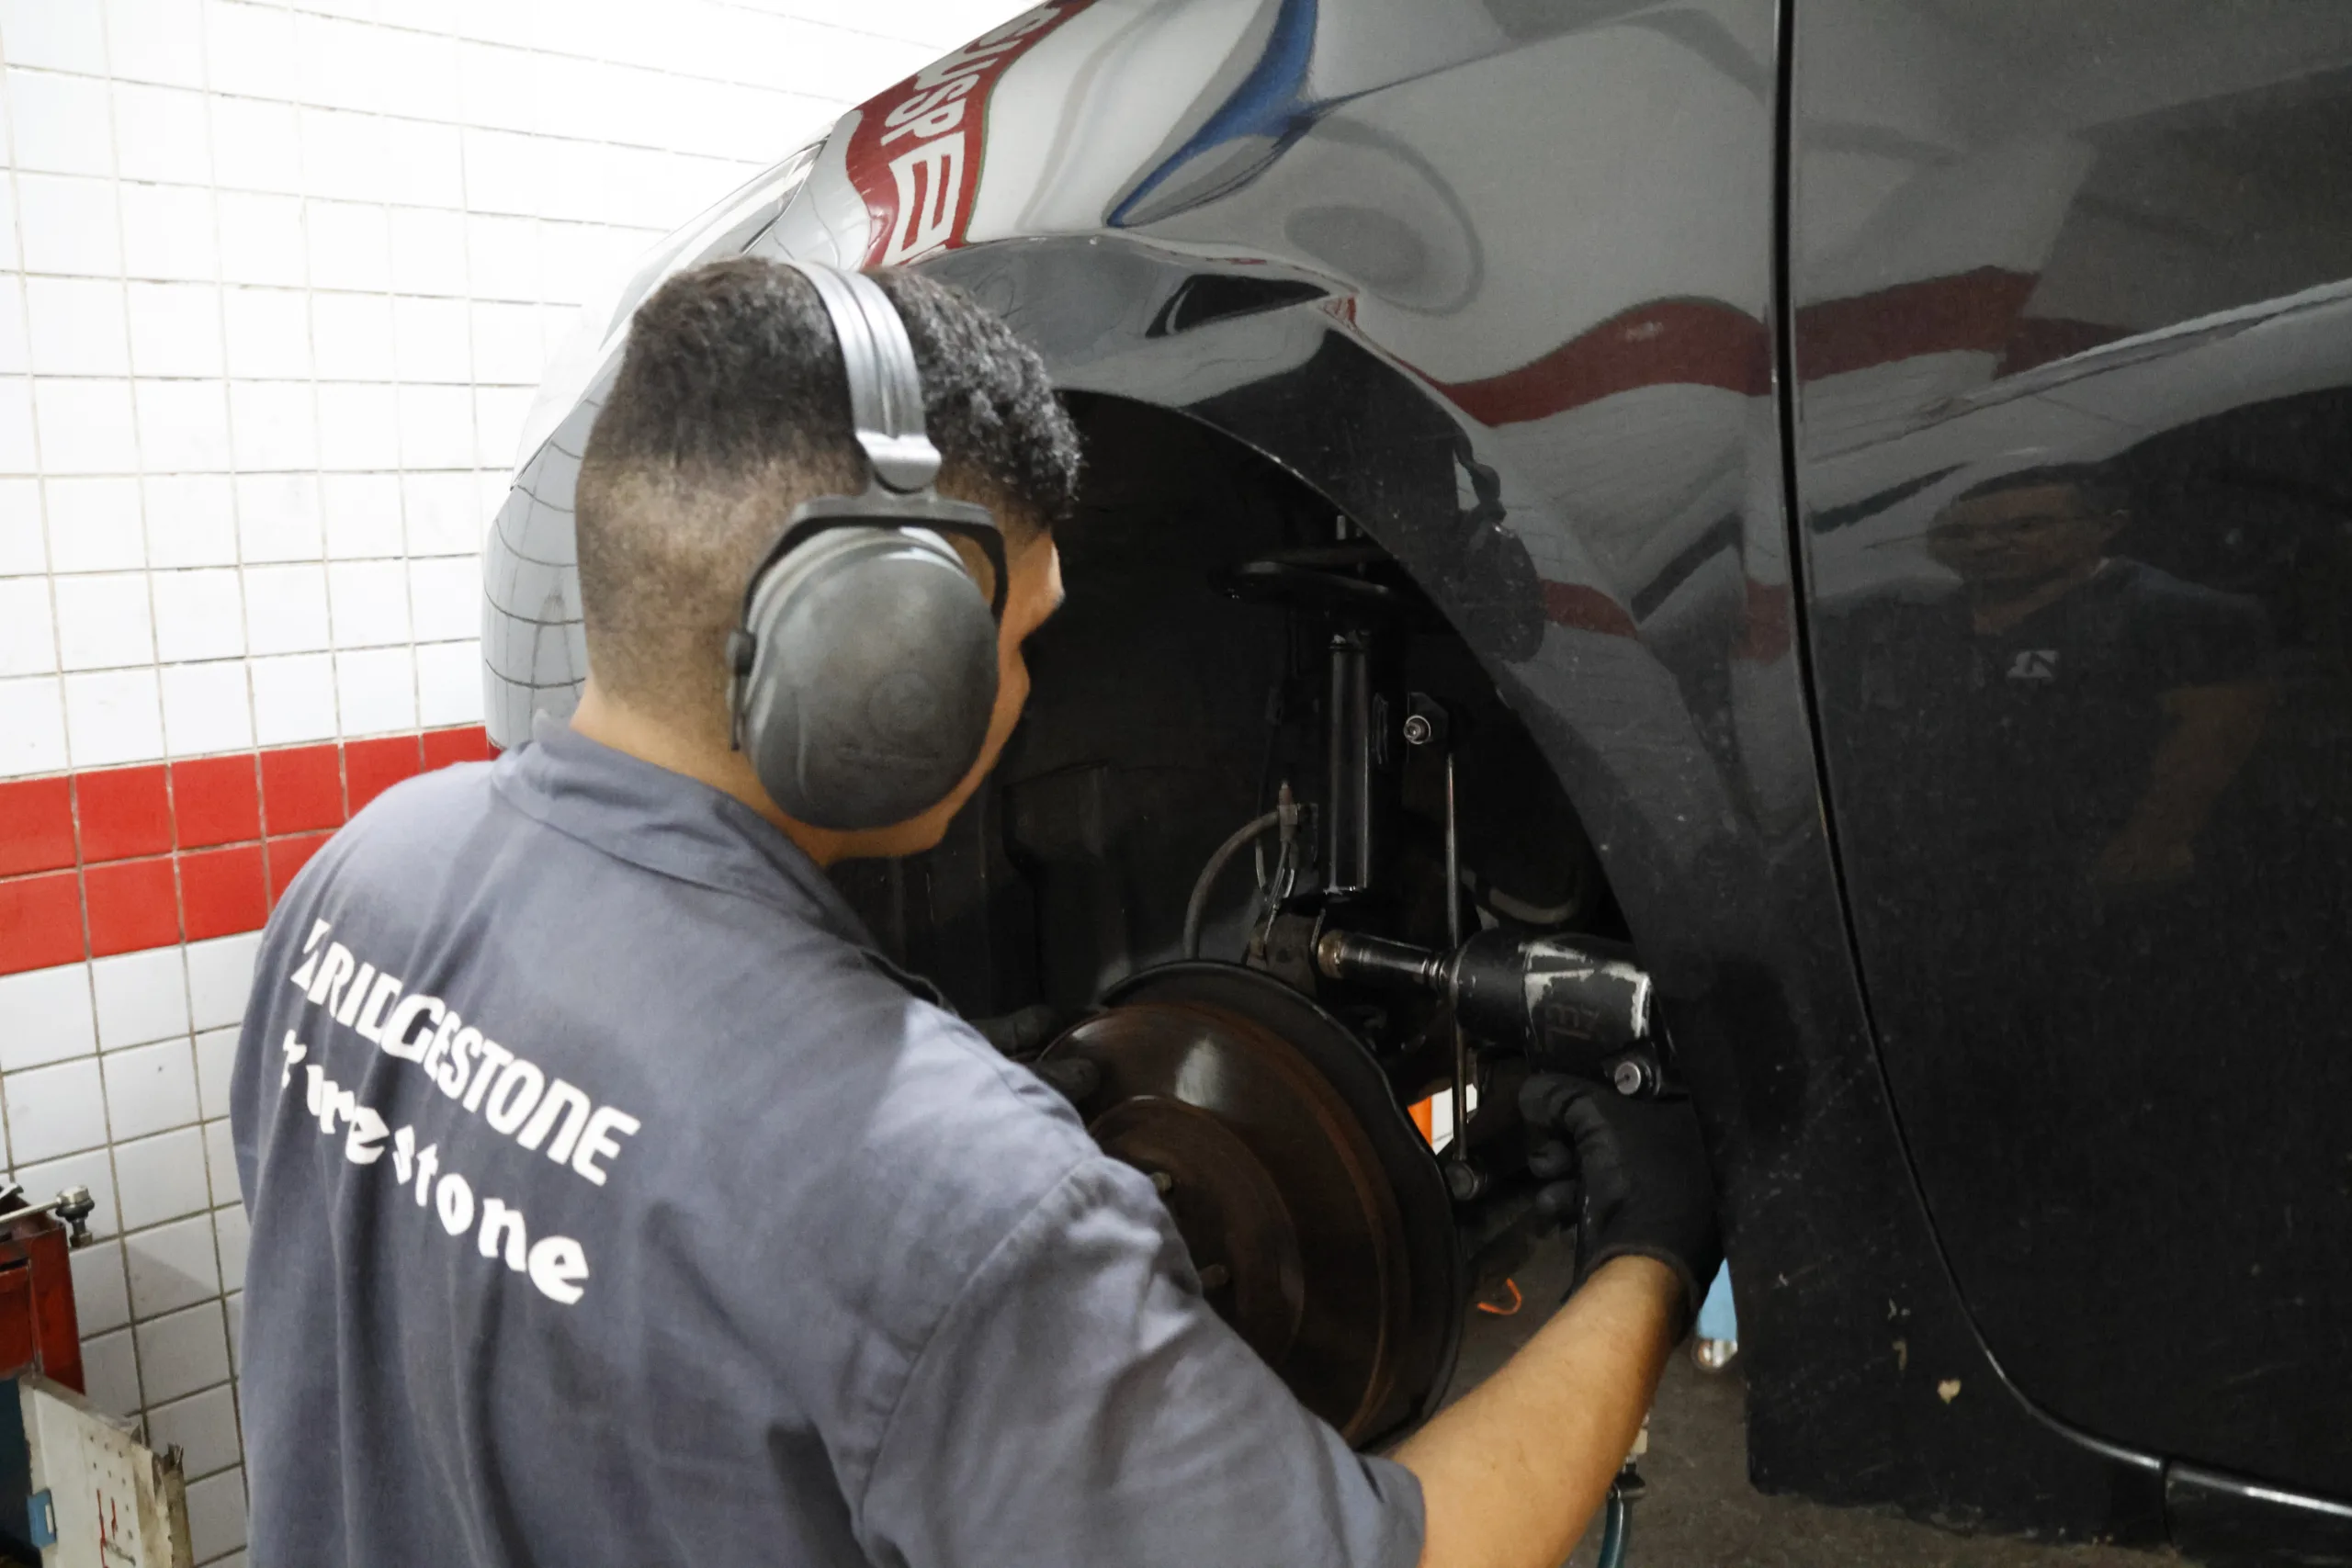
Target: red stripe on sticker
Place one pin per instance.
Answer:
(1664, 343)
(1586, 608)
(1968, 311)
(1704, 342)
(915, 151)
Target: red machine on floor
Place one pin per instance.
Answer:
(77, 1487)
(37, 1329)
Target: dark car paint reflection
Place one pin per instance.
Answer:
(2082, 712)
(2076, 471)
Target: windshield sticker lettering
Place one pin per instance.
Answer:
(917, 162)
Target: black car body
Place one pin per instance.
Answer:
(1715, 370)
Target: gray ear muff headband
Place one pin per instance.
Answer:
(863, 672)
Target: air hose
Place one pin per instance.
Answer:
(1616, 1522)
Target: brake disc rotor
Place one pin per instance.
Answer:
(1313, 1211)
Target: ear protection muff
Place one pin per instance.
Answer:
(863, 668)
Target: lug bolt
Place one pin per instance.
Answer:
(1418, 730)
(1462, 1183)
(1628, 1078)
(1161, 1182)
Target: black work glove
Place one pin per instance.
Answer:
(1643, 1172)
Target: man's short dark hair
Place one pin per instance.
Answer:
(730, 408)
(2094, 484)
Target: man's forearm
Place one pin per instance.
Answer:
(2214, 729)
(1512, 1472)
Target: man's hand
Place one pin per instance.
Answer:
(2214, 729)
(1647, 1192)
(1511, 1474)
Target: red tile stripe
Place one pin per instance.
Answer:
(120, 858)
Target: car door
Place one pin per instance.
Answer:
(2071, 327)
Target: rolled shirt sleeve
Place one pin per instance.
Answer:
(1079, 1403)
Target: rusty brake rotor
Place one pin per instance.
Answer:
(1313, 1211)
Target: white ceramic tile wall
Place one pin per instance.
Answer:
(277, 283)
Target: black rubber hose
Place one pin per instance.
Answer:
(1196, 908)
(1616, 1529)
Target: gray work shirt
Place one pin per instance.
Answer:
(614, 1204)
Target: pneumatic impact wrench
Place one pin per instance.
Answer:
(1575, 1008)
(1578, 1006)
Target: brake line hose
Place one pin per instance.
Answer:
(1196, 908)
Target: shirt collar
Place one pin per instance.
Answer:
(668, 823)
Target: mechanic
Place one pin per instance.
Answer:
(615, 1203)
(2083, 664)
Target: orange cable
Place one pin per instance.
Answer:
(1517, 1301)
